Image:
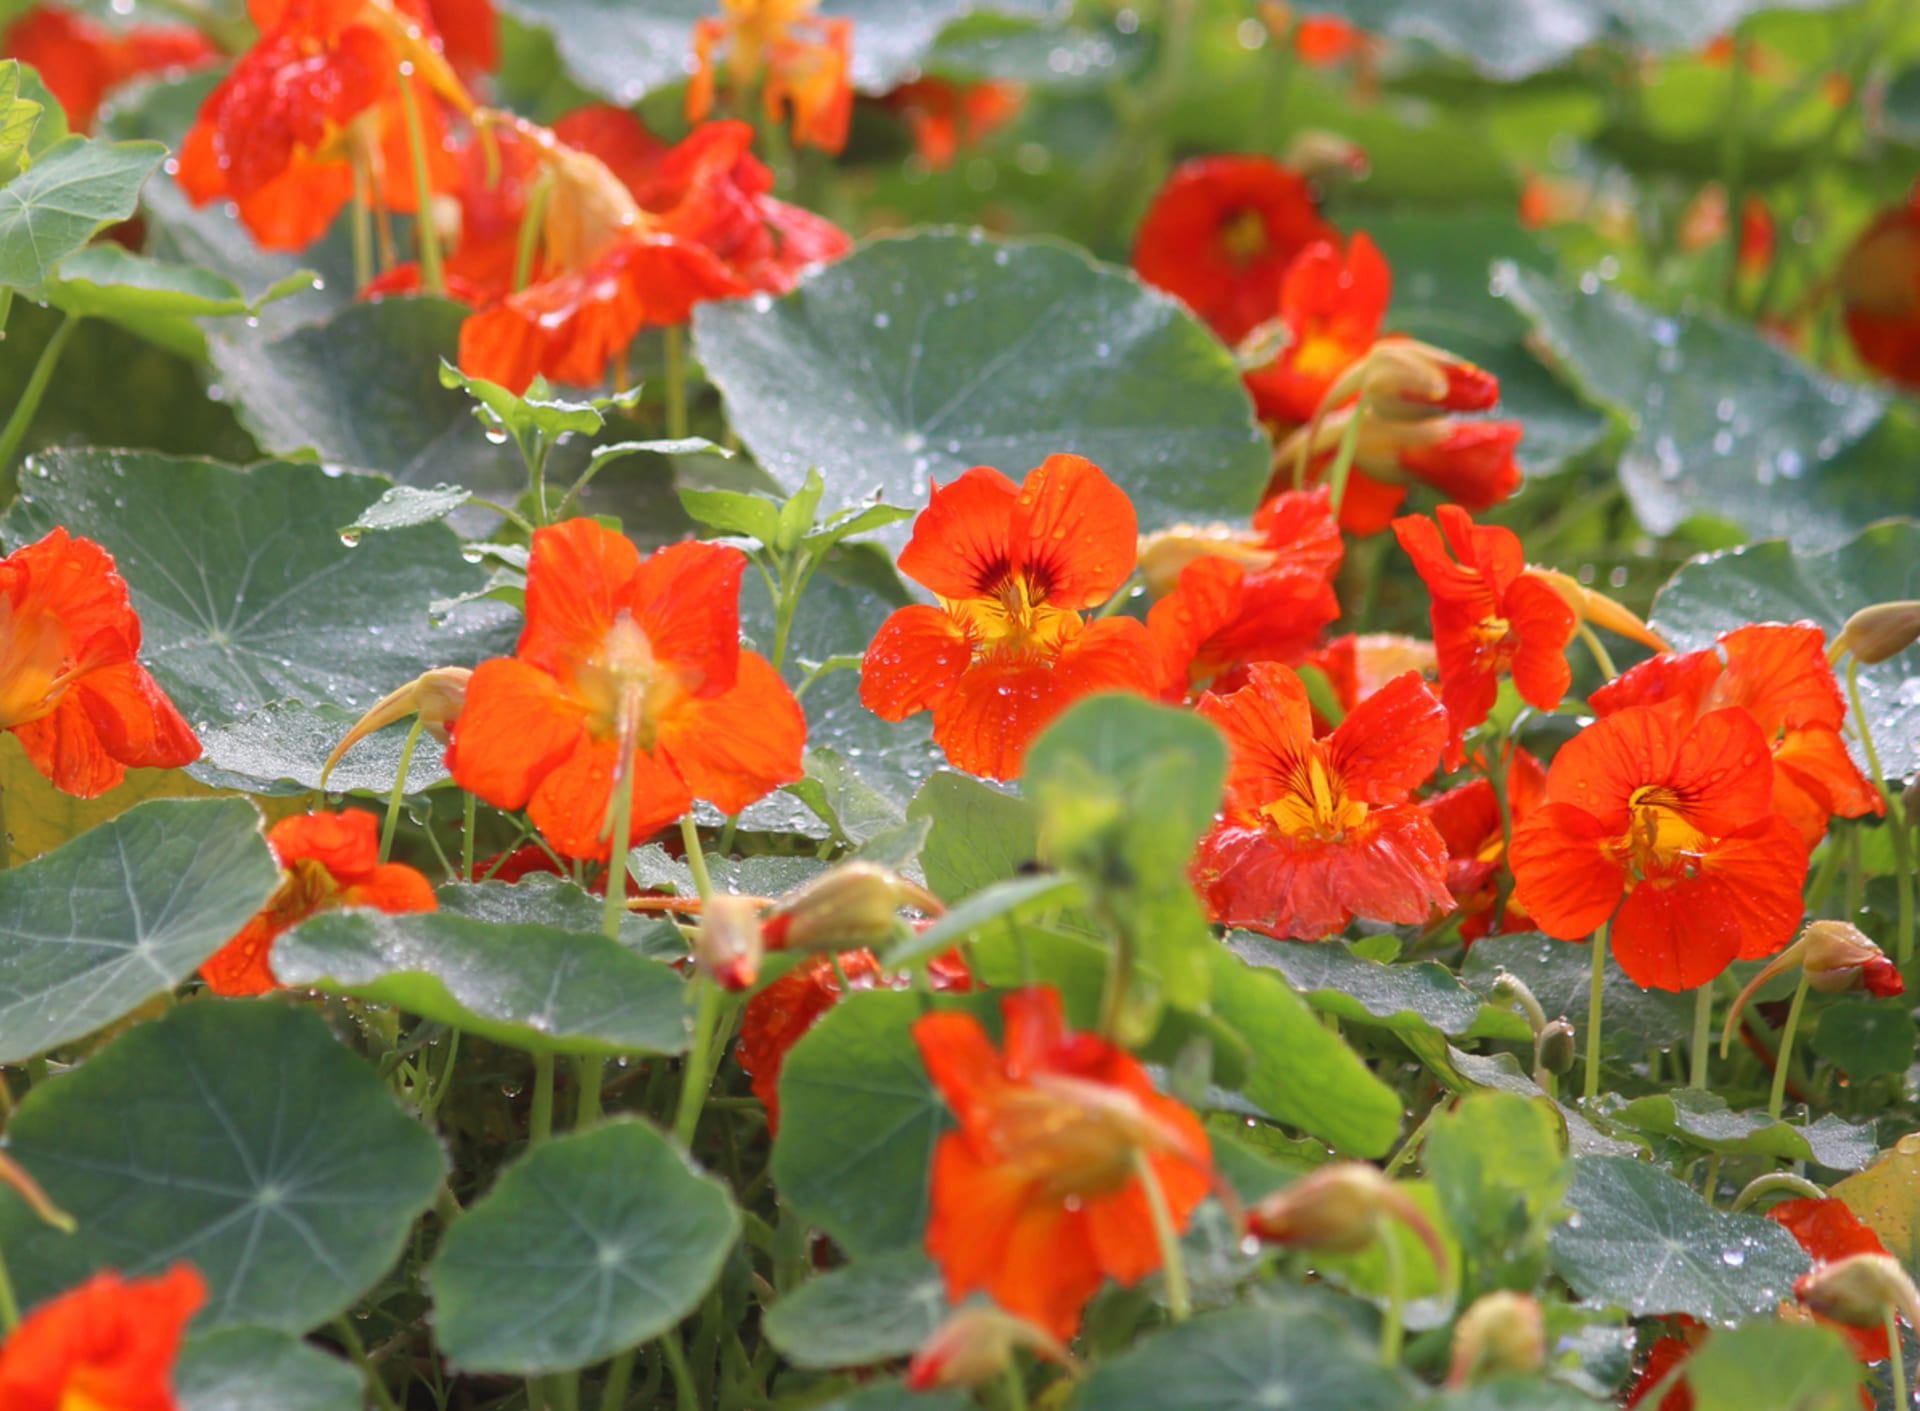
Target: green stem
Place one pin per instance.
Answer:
(588, 1070)
(1601, 657)
(9, 1305)
(1860, 726)
(529, 239)
(696, 857)
(1896, 1362)
(22, 415)
(540, 1118)
(1702, 1031)
(695, 1076)
(1392, 1324)
(470, 810)
(392, 820)
(613, 1395)
(1777, 1097)
(685, 1398)
(614, 909)
(1016, 1384)
(1173, 1266)
(355, 1349)
(1902, 875)
(1776, 1182)
(1343, 461)
(424, 233)
(1594, 987)
(676, 381)
(362, 228)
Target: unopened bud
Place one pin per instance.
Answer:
(1502, 1334)
(1839, 957)
(1165, 553)
(1323, 157)
(1598, 609)
(436, 696)
(1341, 1208)
(974, 1346)
(851, 905)
(1875, 633)
(1860, 1290)
(1557, 1048)
(728, 946)
(1402, 379)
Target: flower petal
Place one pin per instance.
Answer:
(570, 806)
(1563, 875)
(1074, 533)
(580, 575)
(1389, 743)
(913, 662)
(687, 599)
(961, 545)
(517, 726)
(734, 748)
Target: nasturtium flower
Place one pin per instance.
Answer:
(1829, 1232)
(1294, 531)
(1468, 819)
(1038, 1197)
(1008, 648)
(81, 61)
(1490, 618)
(1665, 824)
(1358, 665)
(327, 861)
(72, 689)
(1467, 461)
(1220, 618)
(108, 1344)
(947, 118)
(801, 61)
(1331, 306)
(1221, 234)
(628, 674)
(316, 105)
(1879, 283)
(1778, 674)
(1315, 831)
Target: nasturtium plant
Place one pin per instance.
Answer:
(908, 705)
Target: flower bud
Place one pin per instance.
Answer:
(1875, 633)
(1859, 1290)
(975, 1344)
(436, 696)
(1324, 158)
(1501, 1334)
(854, 904)
(28, 1189)
(1165, 553)
(728, 946)
(1598, 609)
(1339, 1208)
(1403, 379)
(1838, 958)
(1557, 1048)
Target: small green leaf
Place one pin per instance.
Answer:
(591, 1243)
(1001, 905)
(54, 207)
(1638, 1238)
(870, 1311)
(528, 420)
(246, 1369)
(732, 512)
(1774, 1362)
(1865, 1040)
(1704, 1120)
(980, 835)
(18, 118)
(404, 506)
(237, 1135)
(1498, 1164)
(158, 301)
(123, 913)
(531, 987)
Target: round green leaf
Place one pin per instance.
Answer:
(248, 1369)
(1865, 1040)
(244, 590)
(55, 206)
(919, 356)
(870, 1311)
(1640, 1239)
(1704, 1120)
(235, 1135)
(588, 1245)
(280, 748)
(1246, 1359)
(124, 912)
(532, 987)
(155, 300)
(1772, 582)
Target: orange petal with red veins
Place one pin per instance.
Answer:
(913, 662)
(1763, 867)
(687, 599)
(133, 718)
(570, 806)
(1675, 935)
(240, 966)
(1563, 874)
(1602, 765)
(1724, 772)
(392, 887)
(1780, 674)
(1074, 532)
(1389, 744)
(1544, 625)
(580, 576)
(64, 747)
(961, 546)
(347, 844)
(1814, 778)
(962, 1062)
(1048, 1270)
(1681, 676)
(994, 712)
(517, 726)
(741, 745)
(1267, 723)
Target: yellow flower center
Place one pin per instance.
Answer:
(1659, 838)
(623, 687)
(1013, 618)
(1318, 355)
(1074, 1137)
(35, 668)
(1315, 806)
(1244, 237)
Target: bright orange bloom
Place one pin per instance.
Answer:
(1880, 293)
(107, 1345)
(806, 62)
(1221, 234)
(1665, 824)
(1007, 649)
(1667, 1353)
(1332, 305)
(1317, 831)
(72, 689)
(1221, 618)
(1491, 618)
(778, 1015)
(1779, 675)
(1828, 1231)
(1468, 462)
(82, 61)
(1468, 819)
(946, 118)
(316, 99)
(628, 671)
(469, 35)
(327, 861)
(1037, 1198)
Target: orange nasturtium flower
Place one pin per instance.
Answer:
(1491, 618)
(81, 61)
(72, 689)
(1007, 648)
(1317, 831)
(1778, 674)
(1332, 305)
(1665, 824)
(327, 860)
(1221, 234)
(107, 1345)
(628, 673)
(1038, 1197)
(1468, 817)
(806, 63)
(1880, 293)
(947, 118)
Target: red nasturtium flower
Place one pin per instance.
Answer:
(1317, 831)
(1037, 1198)
(628, 673)
(107, 1345)
(1665, 824)
(947, 118)
(1491, 618)
(327, 860)
(1467, 461)
(1221, 234)
(1468, 819)
(1332, 305)
(803, 63)
(1007, 648)
(81, 61)
(72, 689)
(1880, 293)
(1778, 674)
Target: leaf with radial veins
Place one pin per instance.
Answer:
(55, 206)
(918, 356)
